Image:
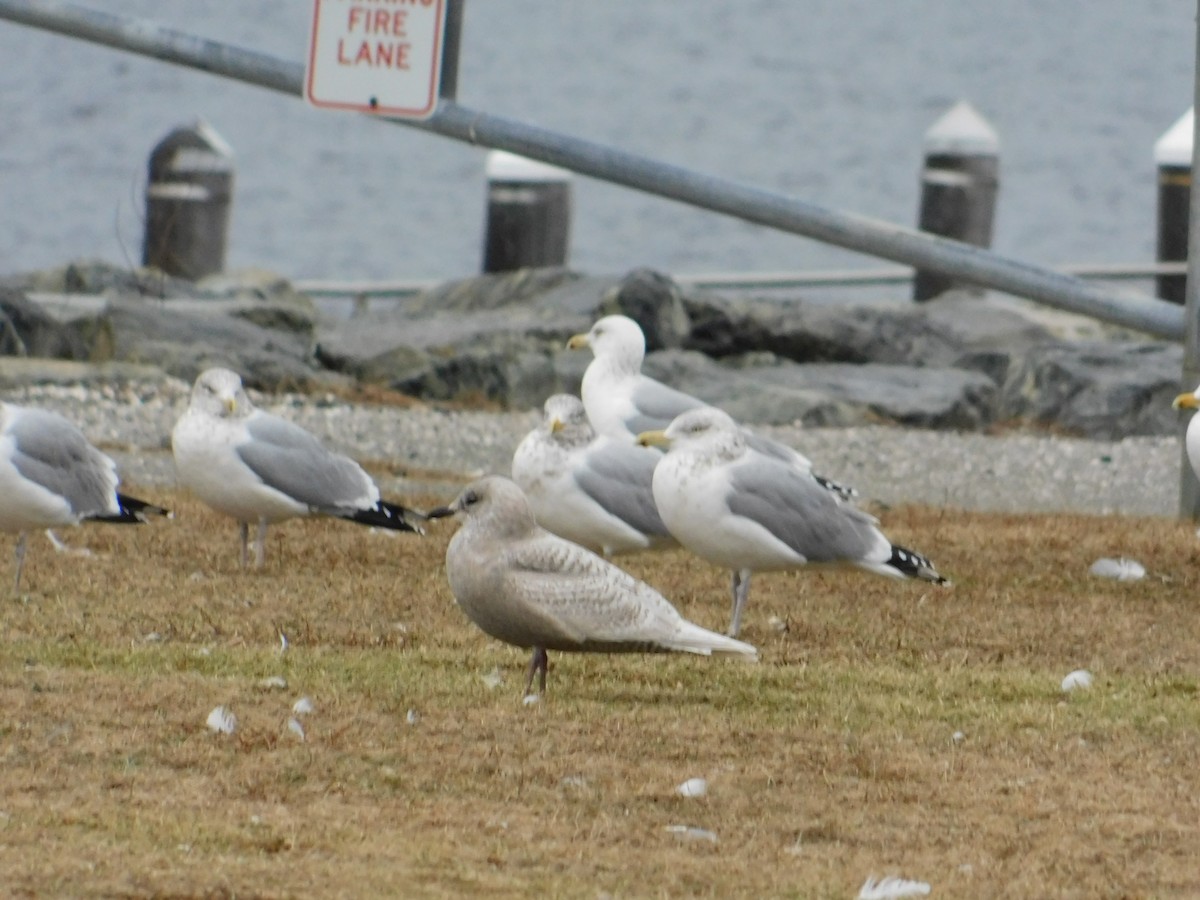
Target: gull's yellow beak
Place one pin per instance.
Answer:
(231, 405)
(1185, 401)
(556, 425)
(654, 439)
(578, 342)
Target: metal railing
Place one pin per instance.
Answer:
(962, 262)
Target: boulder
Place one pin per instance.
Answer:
(655, 302)
(1099, 389)
(55, 326)
(766, 389)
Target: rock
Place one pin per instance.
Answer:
(509, 350)
(16, 372)
(95, 277)
(184, 341)
(765, 389)
(56, 326)
(1099, 389)
(655, 302)
(938, 333)
(961, 361)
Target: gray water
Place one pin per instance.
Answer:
(824, 100)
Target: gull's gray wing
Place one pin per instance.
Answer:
(51, 452)
(798, 511)
(619, 477)
(587, 597)
(775, 449)
(293, 462)
(656, 405)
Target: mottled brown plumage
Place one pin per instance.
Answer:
(529, 588)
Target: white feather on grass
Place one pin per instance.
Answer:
(303, 706)
(891, 887)
(295, 727)
(1120, 569)
(1080, 679)
(222, 720)
(693, 787)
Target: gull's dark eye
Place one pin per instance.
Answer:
(470, 498)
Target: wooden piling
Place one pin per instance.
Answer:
(959, 182)
(188, 199)
(1173, 159)
(528, 215)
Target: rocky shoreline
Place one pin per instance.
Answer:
(963, 361)
(1080, 415)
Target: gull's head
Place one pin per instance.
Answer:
(565, 420)
(219, 392)
(494, 504)
(1187, 401)
(615, 338)
(702, 425)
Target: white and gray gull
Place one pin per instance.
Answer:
(739, 508)
(622, 401)
(258, 468)
(527, 587)
(586, 487)
(51, 475)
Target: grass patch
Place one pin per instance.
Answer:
(889, 729)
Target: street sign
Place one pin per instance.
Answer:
(376, 56)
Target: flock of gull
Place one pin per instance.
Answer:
(631, 465)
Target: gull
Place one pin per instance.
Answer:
(527, 587)
(623, 402)
(588, 488)
(1191, 440)
(257, 467)
(51, 475)
(737, 507)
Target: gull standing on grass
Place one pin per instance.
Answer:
(259, 468)
(623, 402)
(51, 475)
(739, 508)
(588, 488)
(527, 587)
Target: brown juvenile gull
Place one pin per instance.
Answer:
(257, 467)
(739, 508)
(51, 475)
(622, 402)
(586, 487)
(527, 587)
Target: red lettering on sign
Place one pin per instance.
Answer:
(377, 21)
(375, 54)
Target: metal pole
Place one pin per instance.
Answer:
(864, 235)
(1189, 488)
(452, 36)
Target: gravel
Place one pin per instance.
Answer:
(437, 450)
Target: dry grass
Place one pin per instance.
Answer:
(830, 760)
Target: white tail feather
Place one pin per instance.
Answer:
(694, 639)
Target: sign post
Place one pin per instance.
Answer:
(376, 56)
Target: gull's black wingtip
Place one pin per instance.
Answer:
(392, 516)
(914, 565)
(133, 511)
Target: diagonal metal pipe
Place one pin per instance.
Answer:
(866, 235)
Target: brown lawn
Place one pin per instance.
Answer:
(891, 728)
